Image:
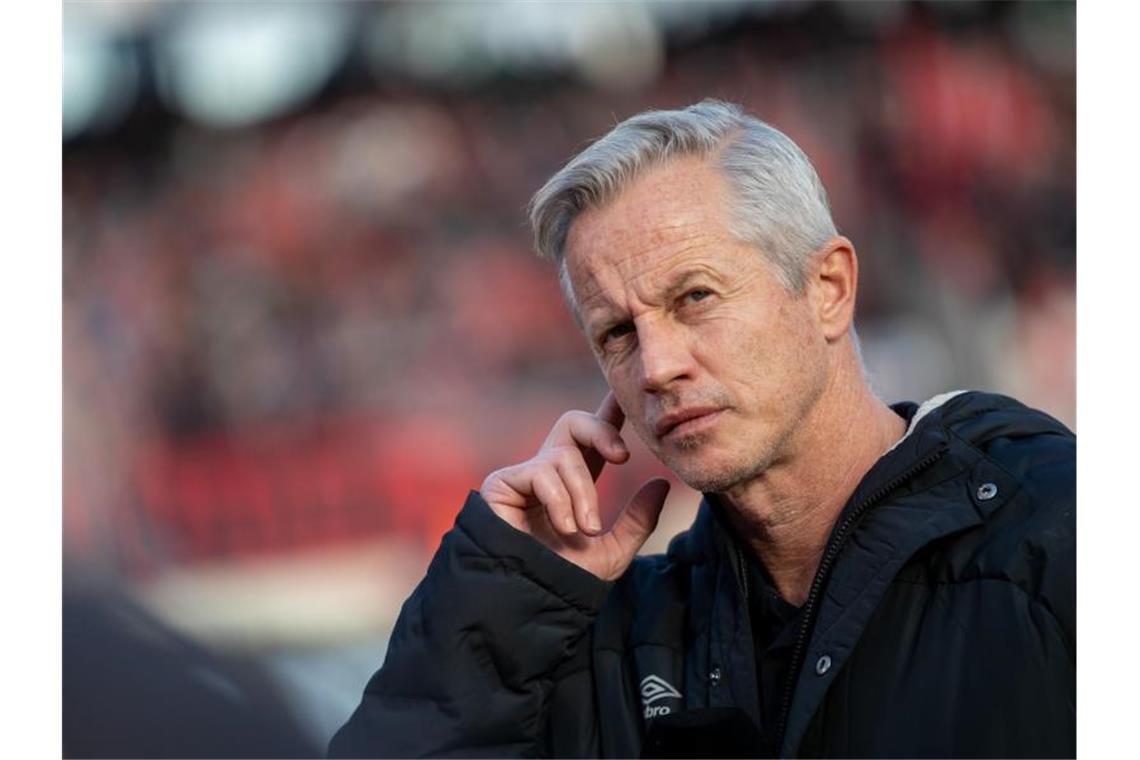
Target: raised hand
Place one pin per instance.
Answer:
(552, 495)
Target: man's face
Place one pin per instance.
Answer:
(714, 363)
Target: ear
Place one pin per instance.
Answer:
(834, 280)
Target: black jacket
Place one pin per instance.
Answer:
(942, 621)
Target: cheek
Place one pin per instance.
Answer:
(760, 354)
(735, 339)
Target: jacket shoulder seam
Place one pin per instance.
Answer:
(1023, 483)
(983, 454)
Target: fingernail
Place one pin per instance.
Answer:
(593, 522)
(570, 525)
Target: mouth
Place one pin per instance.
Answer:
(685, 421)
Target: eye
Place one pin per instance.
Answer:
(617, 331)
(697, 294)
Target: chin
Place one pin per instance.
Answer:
(709, 474)
(711, 482)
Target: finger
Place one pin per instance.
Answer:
(509, 487)
(524, 485)
(508, 492)
(599, 440)
(588, 431)
(580, 484)
(550, 490)
(610, 411)
(639, 518)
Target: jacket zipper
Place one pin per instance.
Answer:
(742, 569)
(832, 551)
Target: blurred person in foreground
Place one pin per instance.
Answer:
(134, 687)
(861, 579)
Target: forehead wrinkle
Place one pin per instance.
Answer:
(659, 244)
(647, 285)
(654, 219)
(657, 252)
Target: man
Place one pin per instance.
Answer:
(861, 580)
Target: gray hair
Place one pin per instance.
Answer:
(780, 205)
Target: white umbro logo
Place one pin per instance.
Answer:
(656, 687)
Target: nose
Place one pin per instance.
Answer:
(665, 354)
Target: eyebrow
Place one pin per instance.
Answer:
(682, 279)
(609, 315)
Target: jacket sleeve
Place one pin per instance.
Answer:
(497, 624)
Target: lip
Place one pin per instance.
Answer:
(684, 420)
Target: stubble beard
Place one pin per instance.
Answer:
(751, 463)
(723, 476)
(763, 450)
(760, 453)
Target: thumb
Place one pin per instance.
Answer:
(639, 518)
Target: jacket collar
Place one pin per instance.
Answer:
(712, 537)
(969, 417)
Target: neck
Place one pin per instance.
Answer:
(785, 514)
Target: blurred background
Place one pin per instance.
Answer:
(302, 318)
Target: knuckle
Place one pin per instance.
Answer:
(590, 421)
(572, 415)
(563, 425)
(492, 480)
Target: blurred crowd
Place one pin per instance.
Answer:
(330, 326)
